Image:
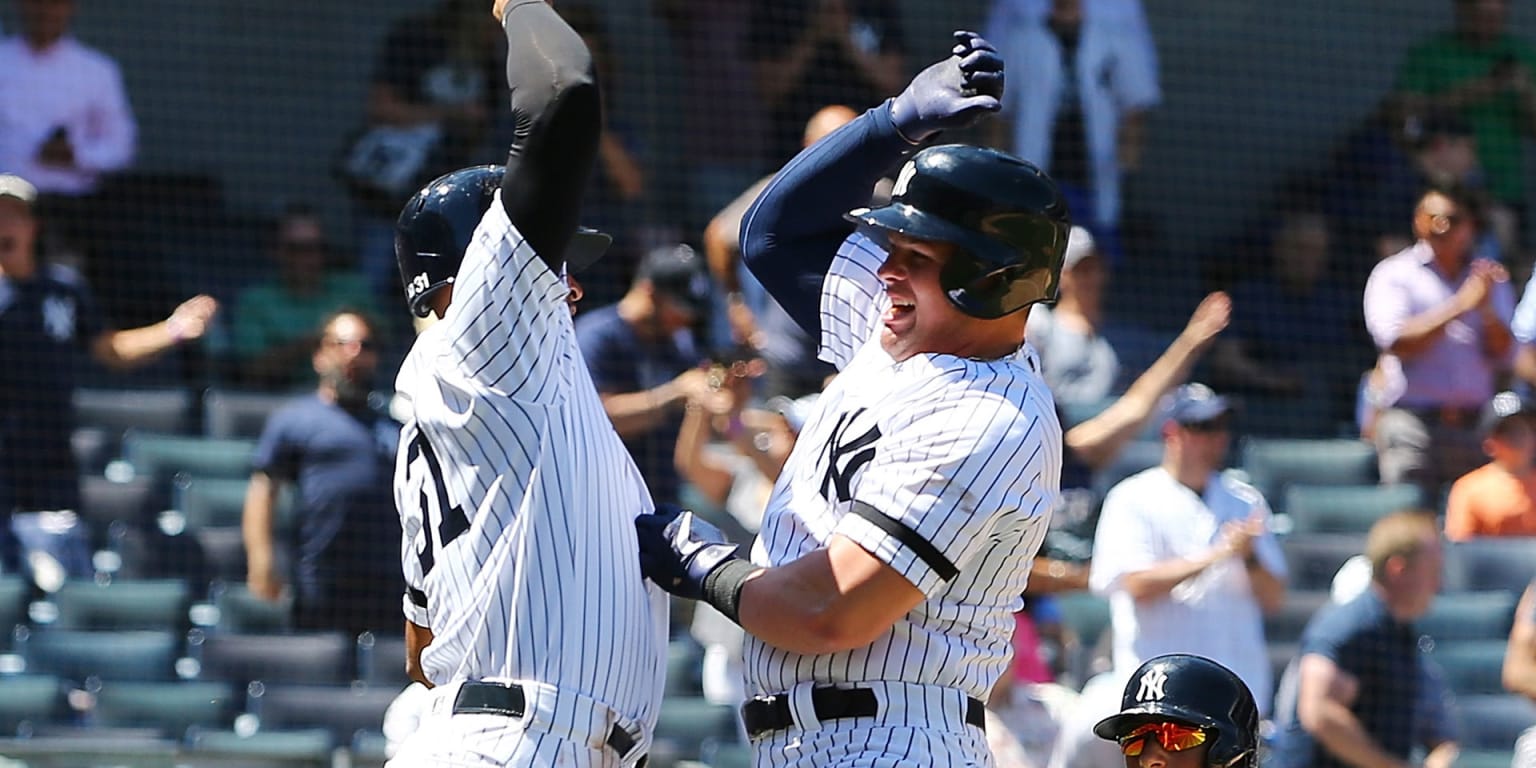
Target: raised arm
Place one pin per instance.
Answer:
(557, 123)
(794, 228)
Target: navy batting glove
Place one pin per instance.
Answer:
(952, 93)
(678, 549)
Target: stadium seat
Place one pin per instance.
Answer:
(234, 414)
(729, 756)
(685, 668)
(104, 501)
(167, 411)
(27, 701)
(1274, 464)
(210, 502)
(1485, 758)
(14, 595)
(1314, 558)
(69, 745)
(315, 659)
(240, 612)
(1265, 416)
(170, 707)
(223, 552)
(162, 456)
(345, 711)
(1346, 508)
(157, 604)
(1491, 564)
(1472, 667)
(141, 655)
(381, 660)
(310, 747)
(688, 725)
(93, 447)
(1300, 606)
(1469, 616)
(1494, 721)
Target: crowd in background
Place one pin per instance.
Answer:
(1388, 301)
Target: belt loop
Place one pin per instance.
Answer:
(802, 708)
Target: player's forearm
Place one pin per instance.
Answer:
(256, 522)
(793, 229)
(1340, 732)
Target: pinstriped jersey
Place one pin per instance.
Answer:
(945, 468)
(517, 498)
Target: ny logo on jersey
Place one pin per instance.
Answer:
(59, 317)
(1152, 682)
(844, 457)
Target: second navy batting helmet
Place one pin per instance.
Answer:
(1006, 216)
(438, 222)
(1193, 691)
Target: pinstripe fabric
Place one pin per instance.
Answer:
(516, 497)
(966, 455)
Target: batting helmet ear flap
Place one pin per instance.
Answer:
(991, 294)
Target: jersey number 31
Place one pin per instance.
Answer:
(452, 520)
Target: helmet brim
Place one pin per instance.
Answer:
(585, 248)
(1113, 727)
(914, 222)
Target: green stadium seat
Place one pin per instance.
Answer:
(1313, 558)
(1507, 563)
(1493, 721)
(115, 411)
(27, 701)
(140, 655)
(322, 658)
(310, 746)
(1274, 464)
(15, 593)
(235, 414)
(163, 456)
(369, 750)
(1469, 616)
(1485, 758)
(170, 707)
(1300, 606)
(1472, 667)
(685, 668)
(1346, 508)
(345, 711)
(119, 605)
(241, 612)
(381, 660)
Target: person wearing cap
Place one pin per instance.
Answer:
(643, 358)
(1360, 682)
(1080, 366)
(47, 314)
(1498, 498)
(1185, 556)
(1184, 711)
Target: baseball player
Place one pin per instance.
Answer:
(1184, 711)
(525, 609)
(897, 540)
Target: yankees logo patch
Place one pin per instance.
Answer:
(845, 455)
(1152, 682)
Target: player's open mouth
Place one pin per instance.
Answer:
(900, 316)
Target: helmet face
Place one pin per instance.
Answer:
(435, 229)
(1195, 691)
(1006, 216)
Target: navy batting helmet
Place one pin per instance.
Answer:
(438, 222)
(1193, 691)
(1006, 216)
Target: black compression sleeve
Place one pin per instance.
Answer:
(557, 118)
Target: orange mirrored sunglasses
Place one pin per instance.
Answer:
(1172, 736)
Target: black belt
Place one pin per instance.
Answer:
(508, 700)
(765, 714)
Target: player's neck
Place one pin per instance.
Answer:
(1188, 474)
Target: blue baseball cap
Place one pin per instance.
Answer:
(1194, 403)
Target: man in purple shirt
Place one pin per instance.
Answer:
(1441, 321)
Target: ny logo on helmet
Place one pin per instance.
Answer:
(903, 179)
(1152, 682)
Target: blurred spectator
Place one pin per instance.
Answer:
(750, 316)
(275, 320)
(64, 114)
(1293, 330)
(1080, 366)
(613, 200)
(1523, 326)
(1185, 555)
(1520, 670)
(434, 90)
(65, 124)
(644, 362)
(1092, 72)
(1441, 320)
(47, 315)
(724, 117)
(1484, 73)
(1499, 498)
(811, 53)
(1359, 679)
(339, 450)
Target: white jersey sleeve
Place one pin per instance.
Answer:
(503, 296)
(1126, 541)
(955, 478)
(853, 299)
